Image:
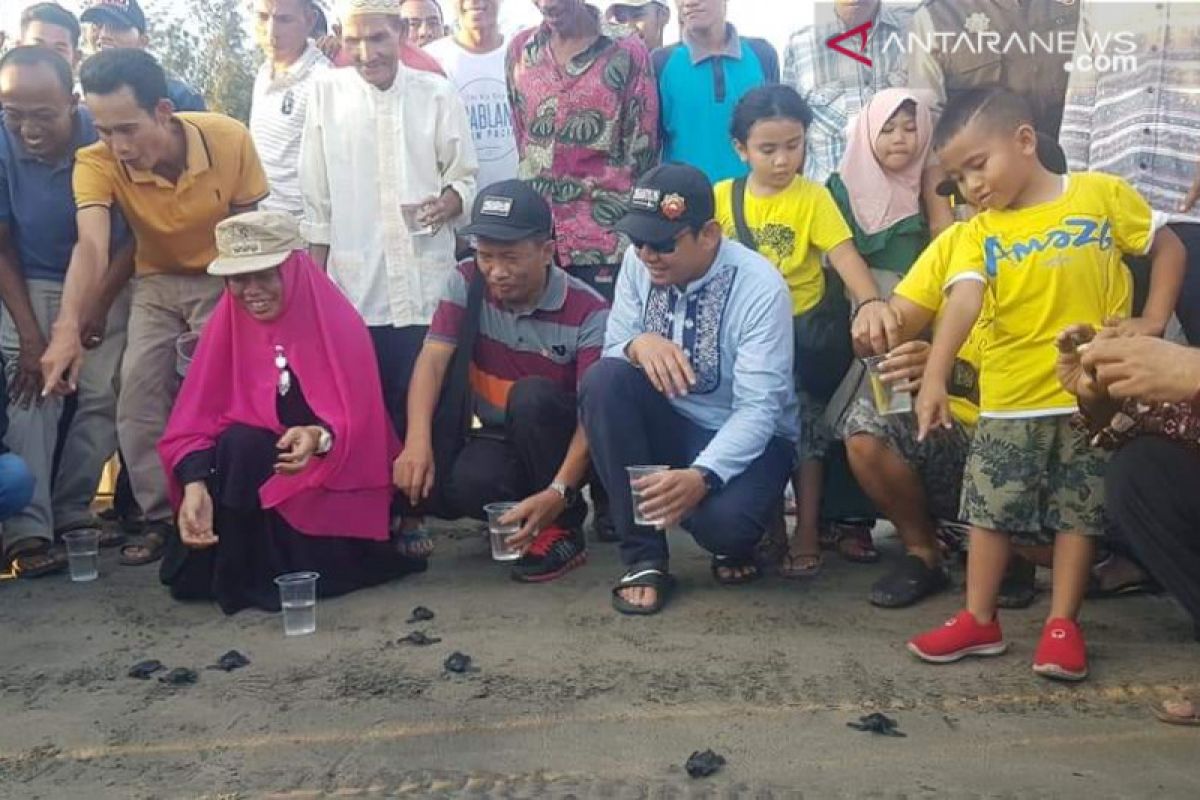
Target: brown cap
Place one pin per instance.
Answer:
(255, 242)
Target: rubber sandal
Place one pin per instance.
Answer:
(910, 582)
(733, 562)
(789, 570)
(415, 544)
(649, 575)
(1160, 710)
(1096, 590)
(154, 543)
(856, 536)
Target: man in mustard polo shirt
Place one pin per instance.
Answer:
(174, 177)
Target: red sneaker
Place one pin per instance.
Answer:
(1062, 653)
(960, 637)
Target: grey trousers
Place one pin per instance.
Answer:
(164, 306)
(65, 499)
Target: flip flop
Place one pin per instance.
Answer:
(719, 563)
(414, 544)
(788, 570)
(649, 575)
(1193, 720)
(855, 536)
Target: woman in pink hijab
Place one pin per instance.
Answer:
(279, 449)
(878, 184)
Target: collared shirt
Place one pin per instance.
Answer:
(407, 144)
(173, 222)
(735, 327)
(1141, 123)
(700, 89)
(37, 205)
(952, 65)
(558, 339)
(585, 134)
(837, 87)
(277, 125)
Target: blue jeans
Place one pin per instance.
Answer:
(628, 423)
(16, 485)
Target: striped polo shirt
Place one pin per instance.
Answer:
(277, 125)
(559, 339)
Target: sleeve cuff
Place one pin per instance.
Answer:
(315, 232)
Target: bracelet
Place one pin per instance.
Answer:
(864, 304)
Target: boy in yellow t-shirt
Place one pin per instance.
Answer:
(794, 222)
(1046, 251)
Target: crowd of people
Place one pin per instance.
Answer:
(443, 267)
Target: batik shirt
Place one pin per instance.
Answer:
(584, 135)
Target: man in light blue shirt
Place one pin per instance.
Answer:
(697, 376)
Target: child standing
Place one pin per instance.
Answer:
(1047, 251)
(794, 222)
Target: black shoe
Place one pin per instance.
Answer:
(911, 581)
(1019, 587)
(555, 552)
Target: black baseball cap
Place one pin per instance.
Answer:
(1049, 152)
(119, 13)
(665, 201)
(510, 211)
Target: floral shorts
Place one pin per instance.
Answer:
(939, 460)
(1034, 478)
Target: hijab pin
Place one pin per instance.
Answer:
(285, 377)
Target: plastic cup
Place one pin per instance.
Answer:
(888, 400)
(83, 554)
(636, 473)
(412, 213)
(499, 533)
(298, 596)
(185, 348)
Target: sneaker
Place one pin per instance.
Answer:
(555, 552)
(960, 637)
(1062, 653)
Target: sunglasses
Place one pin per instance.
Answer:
(665, 248)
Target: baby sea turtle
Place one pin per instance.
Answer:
(876, 723)
(419, 638)
(231, 661)
(457, 662)
(144, 669)
(701, 765)
(180, 676)
(420, 614)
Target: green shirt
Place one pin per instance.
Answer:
(893, 249)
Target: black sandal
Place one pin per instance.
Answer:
(735, 563)
(153, 542)
(911, 581)
(646, 575)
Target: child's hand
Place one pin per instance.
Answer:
(1192, 196)
(1136, 326)
(1072, 343)
(876, 328)
(933, 409)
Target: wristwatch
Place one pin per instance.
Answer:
(712, 481)
(568, 494)
(324, 442)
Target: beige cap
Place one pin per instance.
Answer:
(254, 242)
(353, 8)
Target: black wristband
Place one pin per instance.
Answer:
(862, 305)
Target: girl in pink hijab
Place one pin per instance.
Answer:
(878, 183)
(278, 450)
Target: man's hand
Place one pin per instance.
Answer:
(1144, 368)
(534, 513)
(438, 211)
(1192, 196)
(329, 45)
(26, 387)
(296, 448)
(62, 362)
(664, 363)
(1135, 326)
(92, 328)
(413, 472)
(905, 366)
(875, 329)
(933, 409)
(196, 517)
(1072, 343)
(671, 496)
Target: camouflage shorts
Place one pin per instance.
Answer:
(939, 460)
(1034, 478)
(815, 433)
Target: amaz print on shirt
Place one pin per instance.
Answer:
(1075, 232)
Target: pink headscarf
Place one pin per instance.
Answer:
(879, 197)
(233, 380)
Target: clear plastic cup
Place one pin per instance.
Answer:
(888, 400)
(83, 554)
(636, 473)
(412, 214)
(185, 349)
(499, 533)
(298, 596)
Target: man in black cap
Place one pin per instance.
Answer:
(696, 376)
(526, 332)
(122, 24)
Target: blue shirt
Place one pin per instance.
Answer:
(699, 94)
(37, 203)
(184, 97)
(735, 326)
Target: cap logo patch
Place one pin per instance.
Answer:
(496, 207)
(674, 206)
(645, 199)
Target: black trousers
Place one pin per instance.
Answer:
(396, 351)
(1151, 497)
